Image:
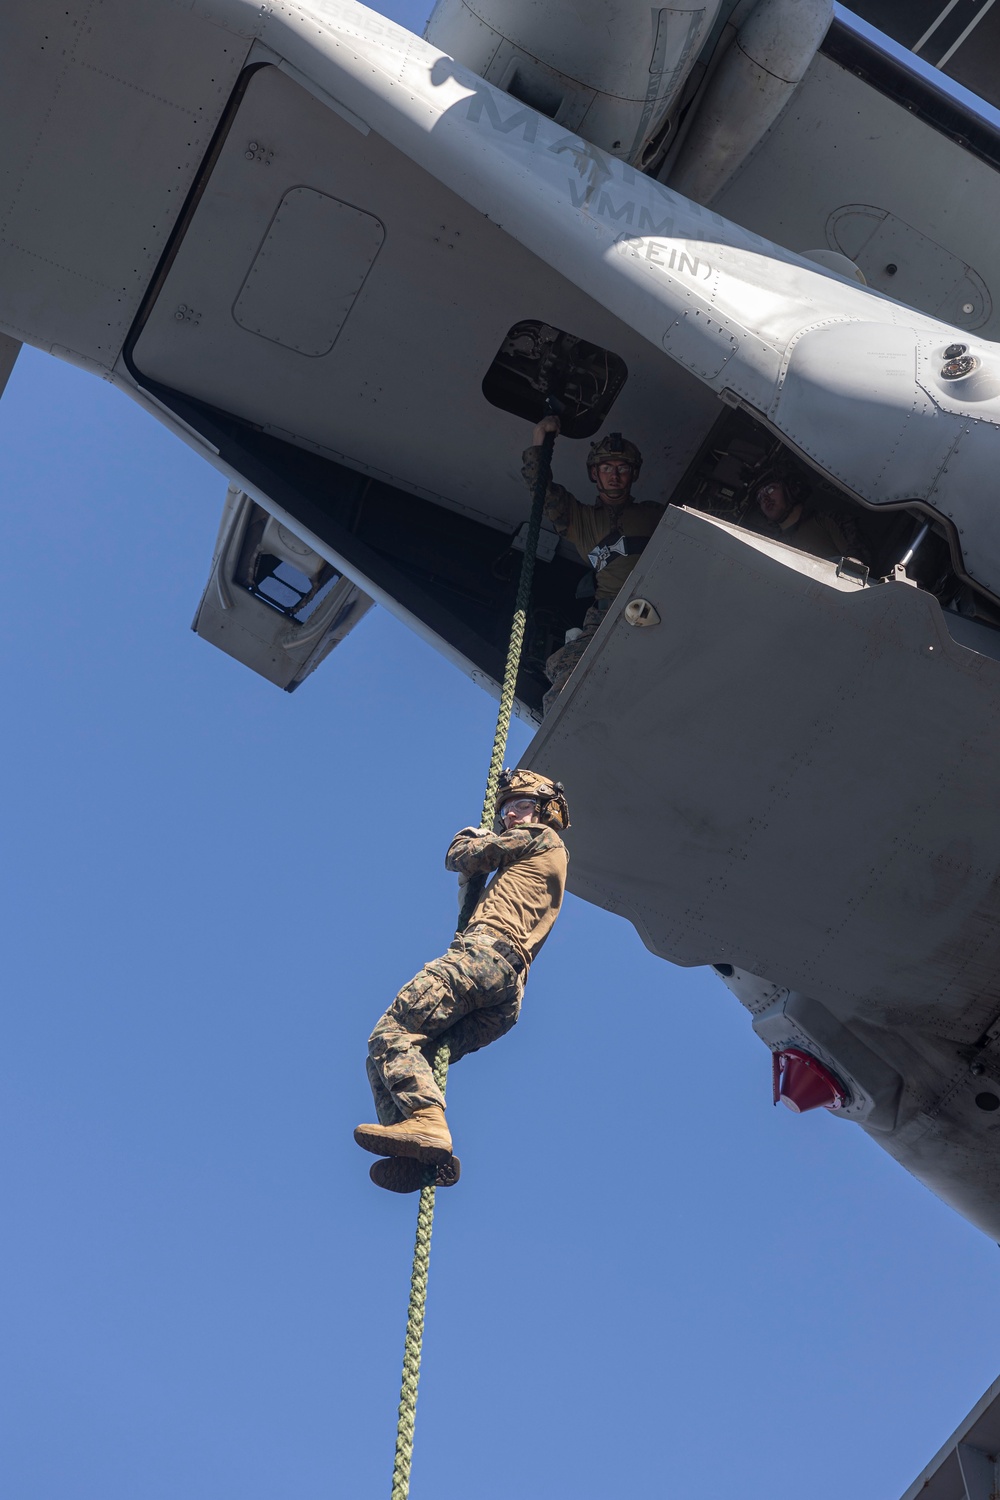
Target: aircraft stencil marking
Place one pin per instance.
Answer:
(655, 252)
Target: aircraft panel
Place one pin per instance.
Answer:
(399, 393)
(966, 1468)
(104, 123)
(861, 679)
(842, 150)
(790, 775)
(271, 601)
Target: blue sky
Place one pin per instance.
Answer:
(649, 1281)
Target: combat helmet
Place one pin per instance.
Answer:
(553, 808)
(611, 447)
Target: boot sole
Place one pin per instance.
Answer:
(380, 1145)
(400, 1174)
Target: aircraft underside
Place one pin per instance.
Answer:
(350, 271)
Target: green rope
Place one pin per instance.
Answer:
(413, 1343)
(516, 644)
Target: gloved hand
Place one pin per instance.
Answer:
(546, 425)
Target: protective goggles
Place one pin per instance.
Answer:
(773, 488)
(519, 806)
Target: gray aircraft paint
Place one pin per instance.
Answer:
(804, 337)
(966, 1467)
(701, 309)
(790, 776)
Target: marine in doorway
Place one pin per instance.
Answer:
(786, 513)
(609, 535)
(472, 994)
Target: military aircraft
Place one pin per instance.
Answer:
(349, 266)
(966, 1467)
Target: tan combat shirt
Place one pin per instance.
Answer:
(523, 897)
(822, 535)
(586, 526)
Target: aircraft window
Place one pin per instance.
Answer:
(280, 584)
(536, 360)
(294, 588)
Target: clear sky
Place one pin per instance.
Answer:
(649, 1281)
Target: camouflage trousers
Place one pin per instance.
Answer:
(467, 998)
(561, 663)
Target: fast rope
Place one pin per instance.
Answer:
(413, 1344)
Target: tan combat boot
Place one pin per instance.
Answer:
(424, 1136)
(401, 1174)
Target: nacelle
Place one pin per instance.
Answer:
(611, 72)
